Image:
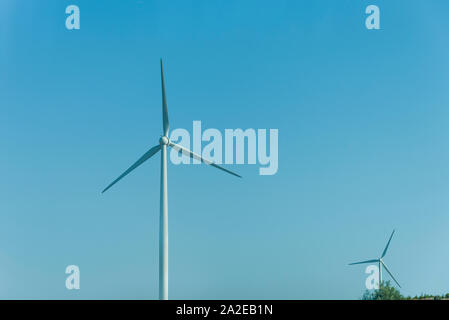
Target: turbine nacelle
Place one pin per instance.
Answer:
(164, 140)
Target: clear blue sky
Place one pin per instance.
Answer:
(363, 123)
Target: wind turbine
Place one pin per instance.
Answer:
(164, 142)
(381, 263)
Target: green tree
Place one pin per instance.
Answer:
(385, 292)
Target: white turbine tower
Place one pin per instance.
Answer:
(164, 142)
(381, 263)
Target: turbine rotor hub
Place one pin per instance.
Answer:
(164, 140)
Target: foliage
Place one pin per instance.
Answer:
(385, 292)
(388, 292)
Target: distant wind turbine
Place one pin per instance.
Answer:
(381, 263)
(164, 141)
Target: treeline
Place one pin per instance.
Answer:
(388, 292)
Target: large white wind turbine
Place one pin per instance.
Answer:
(381, 263)
(164, 142)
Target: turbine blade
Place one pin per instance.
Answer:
(165, 123)
(367, 261)
(198, 157)
(386, 248)
(391, 274)
(142, 159)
